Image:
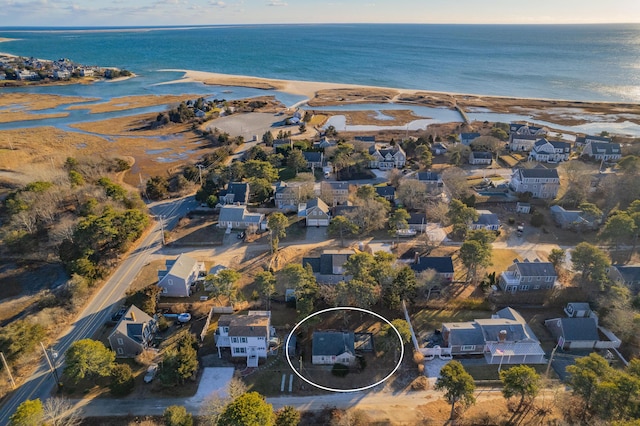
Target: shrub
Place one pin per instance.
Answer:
(511, 221)
(537, 219)
(163, 323)
(420, 383)
(176, 415)
(122, 382)
(340, 370)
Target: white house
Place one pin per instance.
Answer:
(486, 220)
(178, 277)
(550, 151)
(602, 151)
(133, 333)
(480, 158)
(245, 335)
(526, 276)
(332, 347)
(238, 217)
(387, 157)
(540, 181)
(315, 212)
(522, 137)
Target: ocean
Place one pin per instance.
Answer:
(578, 62)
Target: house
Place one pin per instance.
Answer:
(178, 277)
(581, 333)
(236, 193)
(329, 267)
(368, 139)
(61, 74)
(387, 157)
(583, 140)
(480, 158)
(288, 195)
(442, 265)
(313, 159)
(523, 207)
(331, 347)
(486, 220)
(245, 335)
(526, 276)
(432, 180)
(522, 137)
(539, 181)
(387, 192)
(315, 211)
(334, 193)
(467, 138)
(439, 148)
(572, 219)
(628, 275)
(505, 338)
(86, 72)
(133, 333)
(417, 222)
(546, 151)
(343, 210)
(578, 310)
(602, 151)
(27, 75)
(238, 217)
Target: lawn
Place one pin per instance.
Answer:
(427, 320)
(490, 371)
(501, 259)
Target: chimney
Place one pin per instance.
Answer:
(133, 317)
(502, 336)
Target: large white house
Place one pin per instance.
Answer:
(245, 335)
(387, 157)
(550, 151)
(522, 137)
(539, 181)
(527, 276)
(178, 277)
(602, 151)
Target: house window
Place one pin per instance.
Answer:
(234, 340)
(170, 282)
(529, 279)
(120, 341)
(225, 329)
(120, 351)
(536, 287)
(239, 350)
(243, 340)
(549, 279)
(539, 278)
(524, 287)
(467, 347)
(165, 290)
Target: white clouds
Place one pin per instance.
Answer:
(277, 3)
(218, 3)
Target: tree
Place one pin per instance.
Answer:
(427, 281)
(29, 413)
(157, 187)
(267, 138)
(260, 189)
(177, 415)
(296, 160)
(88, 358)
(388, 338)
(424, 156)
(369, 215)
(266, 283)
(287, 416)
(456, 182)
(412, 194)
(20, 338)
(223, 283)
(261, 170)
(459, 213)
(618, 227)
(60, 412)
(403, 286)
(361, 294)
(522, 381)
(249, 409)
(488, 143)
(557, 257)
(399, 220)
(122, 382)
(277, 223)
(585, 375)
(458, 154)
(212, 201)
(341, 226)
(474, 254)
(179, 363)
(592, 261)
(457, 384)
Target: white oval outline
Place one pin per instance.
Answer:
(340, 308)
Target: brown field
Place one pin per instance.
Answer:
(25, 101)
(130, 102)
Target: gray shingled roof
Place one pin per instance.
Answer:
(317, 202)
(605, 148)
(485, 217)
(442, 265)
(333, 343)
(385, 191)
(133, 323)
(539, 173)
(536, 269)
(312, 156)
(579, 329)
(630, 273)
(428, 176)
(239, 191)
(232, 213)
(180, 267)
(482, 155)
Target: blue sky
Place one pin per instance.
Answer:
(213, 12)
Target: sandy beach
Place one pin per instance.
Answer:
(567, 112)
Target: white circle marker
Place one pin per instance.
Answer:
(340, 308)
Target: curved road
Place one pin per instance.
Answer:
(100, 308)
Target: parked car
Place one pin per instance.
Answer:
(151, 373)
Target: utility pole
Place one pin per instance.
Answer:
(162, 228)
(553, 352)
(200, 167)
(52, 368)
(6, 367)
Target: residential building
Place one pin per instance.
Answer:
(439, 148)
(61, 74)
(387, 157)
(315, 212)
(417, 222)
(86, 72)
(433, 181)
(387, 192)
(573, 219)
(539, 181)
(236, 193)
(602, 151)
(368, 139)
(581, 333)
(522, 137)
(486, 220)
(628, 275)
(578, 310)
(27, 75)
(328, 268)
(332, 347)
(523, 207)
(288, 195)
(313, 159)
(334, 193)
(238, 217)
(505, 338)
(583, 140)
(245, 335)
(546, 151)
(179, 275)
(442, 265)
(480, 158)
(527, 276)
(133, 333)
(467, 138)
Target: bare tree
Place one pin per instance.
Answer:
(413, 194)
(456, 181)
(60, 412)
(26, 219)
(428, 280)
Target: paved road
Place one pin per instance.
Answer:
(100, 308)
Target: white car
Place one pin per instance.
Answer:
(151, 373)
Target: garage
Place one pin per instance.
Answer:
(317, 222)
